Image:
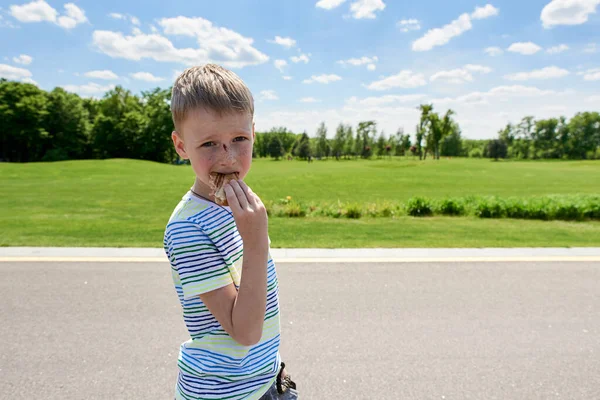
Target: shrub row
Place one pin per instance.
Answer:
(551, 207)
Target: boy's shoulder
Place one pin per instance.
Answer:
(193, 211)
(188, 210)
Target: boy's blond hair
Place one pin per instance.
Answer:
(211, 87)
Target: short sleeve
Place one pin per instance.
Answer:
(200, 266)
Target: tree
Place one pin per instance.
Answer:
(322, 147)
(381, 145)
(584, 138)
(451, 145)
(155, 138)
(68, 127)
(23, 110)
(303, 149)
(365, 138)
(349, 142)
(275, 148)
(497, 149)
(338, 141)
(422, 131)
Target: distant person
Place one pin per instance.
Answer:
(218, 245)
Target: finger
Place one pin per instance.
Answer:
(232, 199)
(243, 200)
(249, 193)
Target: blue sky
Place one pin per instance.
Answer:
(325, 60)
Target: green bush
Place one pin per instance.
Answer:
(451, 207)
(353, 211)
(294, 210)
(489, 208)
(419, 207)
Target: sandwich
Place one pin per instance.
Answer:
(217, 184)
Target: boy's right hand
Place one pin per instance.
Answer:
(249, 213)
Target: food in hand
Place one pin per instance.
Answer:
(217, 184)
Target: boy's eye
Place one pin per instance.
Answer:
(241, 138)
(208, 144)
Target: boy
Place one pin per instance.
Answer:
(222, 270)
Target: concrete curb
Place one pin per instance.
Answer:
(98, 254)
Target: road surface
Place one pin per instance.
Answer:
(362, 330)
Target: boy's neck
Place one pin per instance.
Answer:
(203, 190)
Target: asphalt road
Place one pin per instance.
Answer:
(355, 331)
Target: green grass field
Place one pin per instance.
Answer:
(127, 202)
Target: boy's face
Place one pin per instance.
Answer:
(215, 143)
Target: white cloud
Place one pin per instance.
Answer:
(101, 74)
(485, 12)
(329, 4)
(74, 17)
(309, 100)
(478, 68)
(287, 78)
(590, 48)
(456, 76)
(286, 42)
(29, 80)
(302, 57)
(593, 99)
(215, 44)
(88, 89)
(146, 76)
(23, 59)
(567, 12)
(525, 48)
(387, 99)
(323, 78)
(4, 23)
(460, 75)
(360, 61)
(544, 73)
(38, 11)
(480, 114)
(134, 20)
(441, 36)
(404, 79)
(557, 49)
(280, 64)
(493, 51)
(268, 95)
(13, 73)
(366, 8)
(591, 74)
(407, 25)
(371, 67)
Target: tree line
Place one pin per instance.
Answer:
(37, 125)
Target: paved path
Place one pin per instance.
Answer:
(360, 330)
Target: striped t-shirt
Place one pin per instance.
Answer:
(206, 252)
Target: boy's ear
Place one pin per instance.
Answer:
(253, 133)
(179, 145)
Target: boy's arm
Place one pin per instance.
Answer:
(242, 313)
